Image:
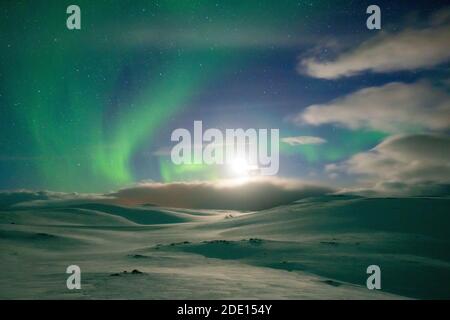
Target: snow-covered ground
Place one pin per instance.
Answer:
(317, 248)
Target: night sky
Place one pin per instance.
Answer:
(92, 110)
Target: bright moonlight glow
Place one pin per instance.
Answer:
(241, 168)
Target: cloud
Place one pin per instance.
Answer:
(162, 152)
(404, 164)
(395, 107)
(22, 196)
(9, 198)
(253, 194)
(302, 140)
(409, 49)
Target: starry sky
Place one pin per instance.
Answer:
(92, 110)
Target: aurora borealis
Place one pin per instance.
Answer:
(224, 149)
(90, 110)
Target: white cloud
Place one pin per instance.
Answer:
(403, 164)
(301, 140)
(408, 49)
(395, 107)
(162, 152)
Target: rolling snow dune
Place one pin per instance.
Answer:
(316, 248)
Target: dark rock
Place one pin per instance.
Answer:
(136, 271)
(332, 283)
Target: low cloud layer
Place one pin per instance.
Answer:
(303, 140)
(254, 194)
(395, 107)
(405, 164)
(409, 49)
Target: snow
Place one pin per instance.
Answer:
(318, 248)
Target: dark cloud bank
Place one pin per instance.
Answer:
(255, 194)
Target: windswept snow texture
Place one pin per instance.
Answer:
(316, 248)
